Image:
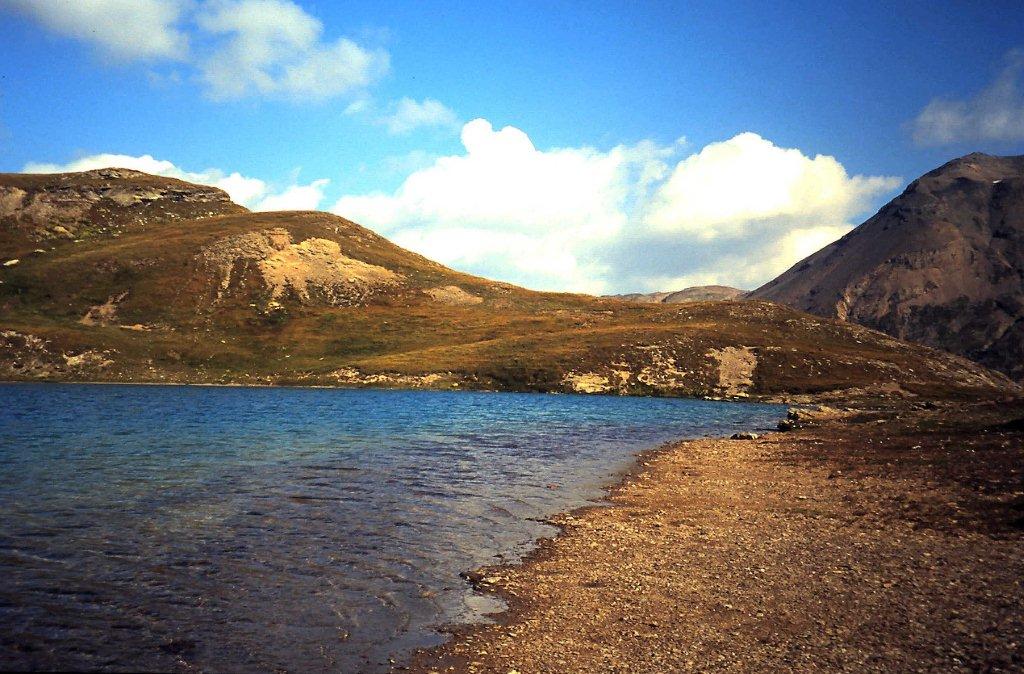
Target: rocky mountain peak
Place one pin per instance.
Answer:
(941, 264)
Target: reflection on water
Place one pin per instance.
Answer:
(234, 529)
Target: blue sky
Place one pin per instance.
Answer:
(888, 93)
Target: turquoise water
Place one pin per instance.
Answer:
(254, 529)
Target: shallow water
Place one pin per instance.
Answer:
(253, 529)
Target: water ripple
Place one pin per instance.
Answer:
(232, 529)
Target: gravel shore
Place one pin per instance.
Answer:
(871, 540)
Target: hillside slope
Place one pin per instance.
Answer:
(942, 264)
(312, 298)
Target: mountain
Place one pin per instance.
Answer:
(692, 294)
(154, 280)
(942, 264)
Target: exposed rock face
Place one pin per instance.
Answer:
(101, 202)
(453, 296)
(106, 313)
(587, 382)
(942, 264)
(314, 270)
(659, 367)
(24, 355)
(693, 294)
(736, 366)
(353, 377)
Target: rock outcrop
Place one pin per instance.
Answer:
(314, 269)
(942, 264)
(453, 296)
(106, 202)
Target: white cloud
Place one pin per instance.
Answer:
(243, 48)
(506, 205)
(752, 263)
(357, 106)
(122, 29)
(996, 113)
(242, 190)
(501, 180)
(252, 193)
(544, 262)
(402, 164)
(409, 115)
(737, 212)
(295, 198)
(729, 186)
(274, 48)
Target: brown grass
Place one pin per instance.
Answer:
(512, 339)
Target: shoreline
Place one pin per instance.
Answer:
(679, 416)
(630, 584)
(481, 580)
(753, 399)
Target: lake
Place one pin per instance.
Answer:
(252, 529)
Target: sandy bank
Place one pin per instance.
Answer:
(884, 541)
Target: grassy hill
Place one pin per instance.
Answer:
(183, 286)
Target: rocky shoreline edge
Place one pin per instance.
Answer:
(887, 536)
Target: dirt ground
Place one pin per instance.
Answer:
(884, 540)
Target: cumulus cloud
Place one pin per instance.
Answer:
(996, 113)
(746, 263)
(122, 29)
(503, 206)
(243, 48)
(408, 115)
(730, 186)
(633, 217)
(274, 48)
(295, 198)
(252, 193)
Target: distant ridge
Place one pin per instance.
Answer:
(691, 294)
(942, 264)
